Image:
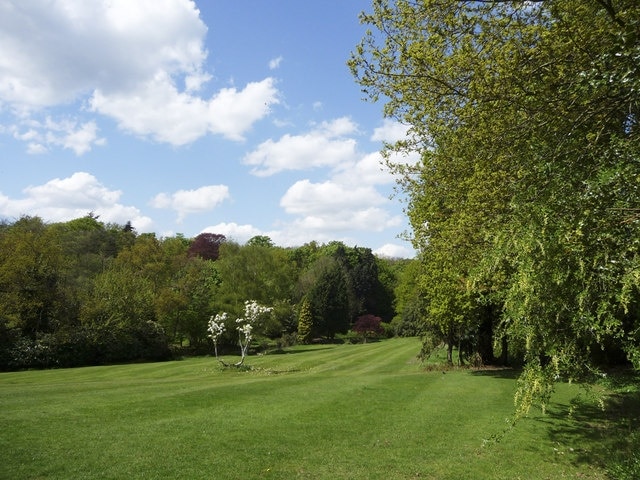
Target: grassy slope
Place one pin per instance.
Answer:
(350, 411)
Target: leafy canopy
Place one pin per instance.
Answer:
(527, 194)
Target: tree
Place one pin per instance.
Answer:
(408, 298)
(216, 329)
(305, 322)
(367, 325)
(329, 298)
(31, 270)
(183, 303)
(264, 273)
(524, 203)
(260, 241)
(207, 245)
(254, 313)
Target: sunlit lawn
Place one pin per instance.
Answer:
(337, 412)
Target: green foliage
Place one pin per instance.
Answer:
(84, 292)
(329, 298)
(260, 241)
(31, 269)
(305, 321)
(256, 271)
(524, 204)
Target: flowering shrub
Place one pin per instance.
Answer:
(216, 329)
(253, 314)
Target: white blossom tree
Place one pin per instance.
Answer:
(253, 314)
(216, 329)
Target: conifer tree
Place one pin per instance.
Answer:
(305, 321)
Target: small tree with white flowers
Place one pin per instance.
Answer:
(216, 329)
(253, 314)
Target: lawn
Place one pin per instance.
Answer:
(325, 411)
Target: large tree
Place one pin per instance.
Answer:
(207, 245)
(329, 295)
(526, 198)
(31, 268)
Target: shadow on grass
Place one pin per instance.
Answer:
(285, 351)
(497, 372)
(604, 434)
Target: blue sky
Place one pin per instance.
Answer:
(234, 117)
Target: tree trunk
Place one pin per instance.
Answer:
(485, 335)
(504, 355)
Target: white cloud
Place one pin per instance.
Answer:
(390, 131)
(186, 202)
(63, 199)
(140, 63)
(232, 113)
(370, 219)
(36, 149)
(333, 207)
(233, 231)
(393, 250)
(313, 198)
(275, 62)
(347, 200)
(68, 134)
(370, 169)
(324, 146)
(195, 81)
(159, 110)
(53, 54)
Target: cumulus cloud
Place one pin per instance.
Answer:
(53, 54)
(330, 206)
(233, 231)
(63, 199)
(393, 250)
(159, 110)
(369, 169)
(326, 145)
(186, 202)
(311, 198)
(140, 63)
(41, 137)
(349, 198)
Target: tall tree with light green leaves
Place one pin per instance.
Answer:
(527, 197)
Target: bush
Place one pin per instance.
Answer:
(388, 330)
(368, 326)
(84, 345)
(27, 353)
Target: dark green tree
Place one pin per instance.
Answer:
(329, 298)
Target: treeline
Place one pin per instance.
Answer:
(84, 292)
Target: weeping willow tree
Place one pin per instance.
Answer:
(526, 202)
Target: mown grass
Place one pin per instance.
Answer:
(337, 412)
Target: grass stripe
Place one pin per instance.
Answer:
(345, 411)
